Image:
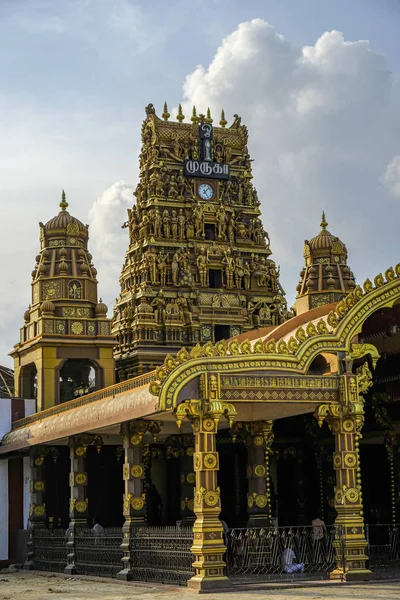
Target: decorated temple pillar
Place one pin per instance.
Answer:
(78, 481)
(346, 421)
(37, 508)
(188, 479)
(134, 500)
(258, 472)
(208, 541)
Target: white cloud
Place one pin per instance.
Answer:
(108, 243)
(391, 177)
(323, 126)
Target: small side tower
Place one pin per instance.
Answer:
(65, 347)
(326, 277)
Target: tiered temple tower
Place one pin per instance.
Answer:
(198, 266)
(326, 276)
(65, 347)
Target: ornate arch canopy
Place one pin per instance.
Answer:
(275, 370)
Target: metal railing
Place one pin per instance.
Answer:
(162, 554)
(259, 552)
(98, 554)
(50, 550)
(383, 547)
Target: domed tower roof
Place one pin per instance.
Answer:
(326, 276)
(65, 224)
(325, 243)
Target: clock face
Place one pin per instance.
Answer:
(205, 191)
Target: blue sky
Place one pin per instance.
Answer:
(75, 76)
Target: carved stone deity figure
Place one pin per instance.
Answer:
(262, 273)
(189, 228)
(275, 309)
(240, 192)
(181, 224)
(133, 224)
(175, 268)
(145, 268)
(246, 275)
(253, 312)
(157, 222)
(221, 222)
(162, 267)
(229, 263)
(159, 304)
(184, 309)
(180, 182)
(273, 276)
(173, 188)
(174, 225)
(177, 148)
(239, 270)
(240, 229)
(228, 192)
(152, 261)
(202, 266)
(166, 224)
(218, 153)
(231, 227)
(198, 217)
(144, 226)
(249, 195)
(265, 313)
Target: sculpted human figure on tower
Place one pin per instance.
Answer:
(195, 233)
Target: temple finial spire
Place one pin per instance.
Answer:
(194, 118)
(63, 203)
(180, 116)
(208, 118)
(223, 121)
(324, 224)
(165, 114)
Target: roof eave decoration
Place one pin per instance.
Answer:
(336, 334)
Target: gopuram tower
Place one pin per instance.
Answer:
(198, 266)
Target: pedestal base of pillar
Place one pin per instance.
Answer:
(70, 570)
(359, 575)
(351, 575)
(200, 584)
(261, 521)
(125, 575)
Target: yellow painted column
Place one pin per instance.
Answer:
(346, 421)
(134, 501)
(208, 540)
(258, 473)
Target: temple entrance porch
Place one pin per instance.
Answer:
(300, 482)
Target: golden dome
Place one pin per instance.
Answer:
(101, 308)
(325, 242)
(65, 223)
(47, 307)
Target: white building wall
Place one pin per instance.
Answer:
(5, 416)
(4, 509)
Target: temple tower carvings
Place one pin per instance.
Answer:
(198, 266)
(65, 347)
(326, 276)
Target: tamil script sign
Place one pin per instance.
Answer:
(205, 168)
